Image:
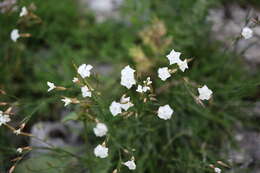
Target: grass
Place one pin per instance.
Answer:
(189, 142)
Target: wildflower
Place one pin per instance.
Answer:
(125, 103)
(130, 164)
(51, 86)
(183, 65)
(4, 118)
(141, 89)
(101, 151)
(17, 132)
(66, 101)
(148, 81)
(217, 170)
(75, 80)
(115, 108)
(164, 73)
(165, 112)
(174, 57)
(84, 70)
(100, 129)
(23, 12)
(127, 77)
(85, 92)
(204, 93)
(15, 35)
(19, 150)
(247, 32)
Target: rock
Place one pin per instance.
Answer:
(227, 24)
(103, 9)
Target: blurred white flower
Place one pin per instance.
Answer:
(17, 132)
(75, 80)
(148, 81)
(4, 118)
(115, 108)
(163, 73)
(165, 112)
(130, 164)
(183, 65)
(15, 35)
(125, 103)
(66, 101)
(100, 129)
(51, 86)
(174, 57)
(23, 12)
(84, 70)
(19, 150)
(101, 151)
(127, 77)
(142, 89)
(217, 170)
(85, 91)
(247, 32)
(204, 93)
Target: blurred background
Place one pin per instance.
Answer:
(112, 33)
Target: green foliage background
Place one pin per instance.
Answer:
(188, 142)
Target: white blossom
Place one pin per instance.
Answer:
(15, 35)
(127, 77)
(100, 129)
(125, 103)
(85, 91)
(23, 12)
(183, 65)
(115, 108)
(174, 57)
(164, 73)
(4, 118)
(130, 164)
(148, 81)
(165, 112)
(142, 89)
(19, 150)
(75, 80)
(101, 151)
(247, 32)
(217, 170)
(204, 93)
(66, 101)
(17, 132)
(51, 86)
(84, 70)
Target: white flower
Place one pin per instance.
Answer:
(217, 170)
(15, 35)
(130, 164)
(66, 101)
(165, 112)
(100, 129)
(23, 12)
(19, 150)
(148, 81)
(125, 103)
(101, 151)
(4, 118)
(51, 86)
(204, 93)
(75, 80)
(85, 92)
(84, 70)
(17, 132)
(163, 73)
(141, 89)
(247, 33)
(174, 57)
(115, 108)
(127, 77)
(183, 65)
